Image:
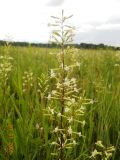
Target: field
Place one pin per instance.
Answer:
(30, 120)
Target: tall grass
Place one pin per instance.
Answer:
(25, 133)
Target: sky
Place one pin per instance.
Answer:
(96, 21)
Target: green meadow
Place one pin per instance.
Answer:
(26, 133)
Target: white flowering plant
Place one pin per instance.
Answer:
(102, 152)
(65, 108)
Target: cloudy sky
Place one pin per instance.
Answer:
(96, 21)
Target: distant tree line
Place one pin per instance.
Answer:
(95, 46)
(53, 45)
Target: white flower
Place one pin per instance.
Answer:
(108, 155)
(56, 130)
(54, 143)
(67, 82)
(61, 65)
(69, 103)
(70, 119)
(24, 90)
(54, 92)
(10, 58)
(74, 142)
(52, 74)
(92, 102)
(82, 107)
(59, 114)
(52, 111)
(1, 65)
(49, 96)
(79, 134)
(64, 136)
(73, 80)
(99, 143)
(73, 100)
(41, 128)
(95, 152)
(31, 85)
(116, 65)
(67, 68)
(58, 85)
(38, 90)
(70, 130)
(25, 72)
(76, 90)
(77, 64)
(37, 126)
(83, 123)
(1, 57)
(67, 109)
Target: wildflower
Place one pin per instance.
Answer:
(116, 65)
(1, 57)
(82, 107)
(99, 143)
(67, 68)
(70, 119)
(41, 128)
(49, 96)
(92, 102)
(73, 100)
(31, 74)
(31, 85)
(67, 109)
(76, 90)
(83, 123)
(73, 80)
(38, 90)
(109, 86)
(10, 58)
(67, 82)
(51, 53)
(58, 85)
(108, 155)
(79, 134)
(39, 84)
(77, 64)
(94, 153)
(56, 130)
(54, 143)
(111, 149)
(1, 65)
(69, 103)
(52, 74)
(74, 142)
(61, 65)
(24, 90)
(52, 111)
(70, 130)
(64, 136)
(59, 114)
(54, 92)
(37, 126)
(25, 72)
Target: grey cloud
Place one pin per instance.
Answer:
(114, 19)
(108, 37)
(112, 23)
(55, 3)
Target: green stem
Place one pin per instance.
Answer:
(63, 90)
